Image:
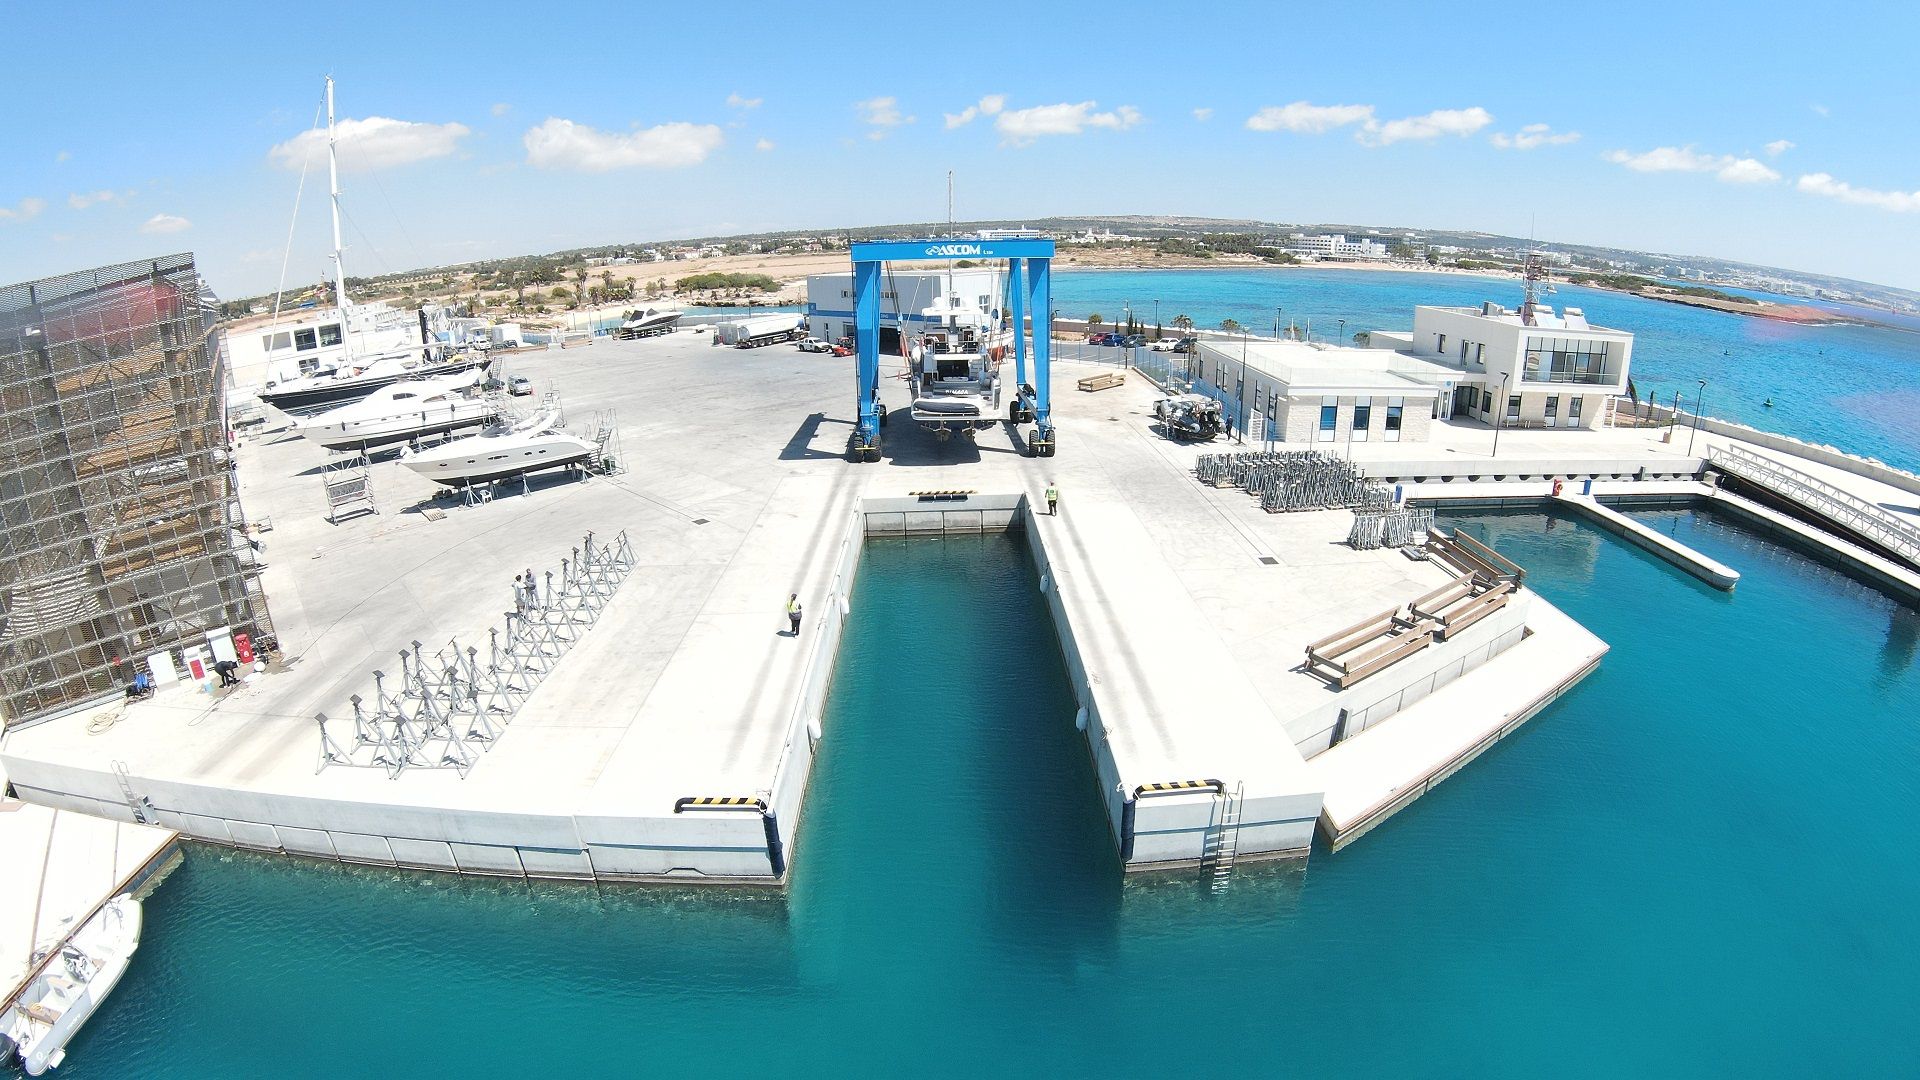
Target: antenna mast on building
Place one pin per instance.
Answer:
(1536, 278)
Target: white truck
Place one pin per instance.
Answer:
(760, 330)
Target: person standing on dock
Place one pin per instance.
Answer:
(793, 612)
(1053, 499)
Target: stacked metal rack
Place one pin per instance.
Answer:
(1289, 480)
(1399, 527)
(448, 707)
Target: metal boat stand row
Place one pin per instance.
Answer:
(448, 707)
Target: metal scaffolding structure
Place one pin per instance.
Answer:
(1403, 526)
(121, 533)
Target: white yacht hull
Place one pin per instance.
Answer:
(68, 990)
(399, 428)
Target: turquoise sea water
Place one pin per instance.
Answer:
(1700, 862)
(1856, 387)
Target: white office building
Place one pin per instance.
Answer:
(1529, 368)
(1296, 392)
(1336, 246)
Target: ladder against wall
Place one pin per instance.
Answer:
(1222, 845)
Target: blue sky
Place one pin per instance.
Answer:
(1764, 133)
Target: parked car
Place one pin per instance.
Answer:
(843, 350)
(1165, 344)
(1134, 341)
(520, 386)
(1184, 345)
(814, 344)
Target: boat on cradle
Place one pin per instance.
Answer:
(505, 450)
(955, 371)
(71, 985)
(646, 322)
(311, 393)
(402, 412)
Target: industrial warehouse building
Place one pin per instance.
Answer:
(121, 538)
(909, 298)
(1527, 368)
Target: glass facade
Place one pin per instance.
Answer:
(1569, 360)
(120, 531)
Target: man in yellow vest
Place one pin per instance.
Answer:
(793, 612)
(1053, 499)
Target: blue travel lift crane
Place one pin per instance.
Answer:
(1029, 263)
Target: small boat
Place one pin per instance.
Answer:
(403, 411)
(47, 1014)
(646, 322)
(361, 377)
(502, 451)
(1189, 417)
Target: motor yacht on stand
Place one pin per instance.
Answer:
(403, 412)
(955, 370)
(505, 450)
(646, 322)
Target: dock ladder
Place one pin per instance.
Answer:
(134, 802)
(1223, 840)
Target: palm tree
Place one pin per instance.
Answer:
(1094, 320)
(1181, 322)
(1231, 326)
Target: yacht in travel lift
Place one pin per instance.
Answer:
(955, 368)
(362, 365)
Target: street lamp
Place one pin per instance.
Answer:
(1276, 324)
(1498, 416)
(1156, 318)
(1343, 331)
(1697, 398)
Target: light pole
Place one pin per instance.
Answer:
(1499, 416)
(1699, 396)
(1343, 331)
(1156, 318)
(1276, 324)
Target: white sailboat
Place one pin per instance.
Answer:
(504, 450)
(50, 1011)
(353, 372)
(403, 411)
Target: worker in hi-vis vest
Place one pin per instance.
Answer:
(793, 612)
(1053, 499)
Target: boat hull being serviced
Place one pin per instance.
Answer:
(50, 1011)
(646, 322)
(402, 412)
(316, 392)
(532, 445)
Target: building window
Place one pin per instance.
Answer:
(1513, 408)
(1553, 406)
(1573, 411)
(330, 335)
(1442, 347)
(1329, 417)
(1395, 406)
(1480, 354)
(276, 342)
(1362, 415)
(1568, 360)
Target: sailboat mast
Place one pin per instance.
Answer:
(333, 184)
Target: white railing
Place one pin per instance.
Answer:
(1843, 508)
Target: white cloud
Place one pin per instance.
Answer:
(501, 108)
(1531, 136)
(377, 142)
(1021, 126)
(992, 104)
(962, 118)
(64, 155)
(1203, 115)
(882, 114)
(1433, 125)
(763, 145)
(1900, 202)
(1306, 118)
(25, 210)
(563, 144)
(163, 224)
(1726, 167)
(80, 200)
(1777, 147)
(1821, 110)
(735, 101)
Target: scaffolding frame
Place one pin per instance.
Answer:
(121, 532)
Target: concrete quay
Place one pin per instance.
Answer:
(1183, 612)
